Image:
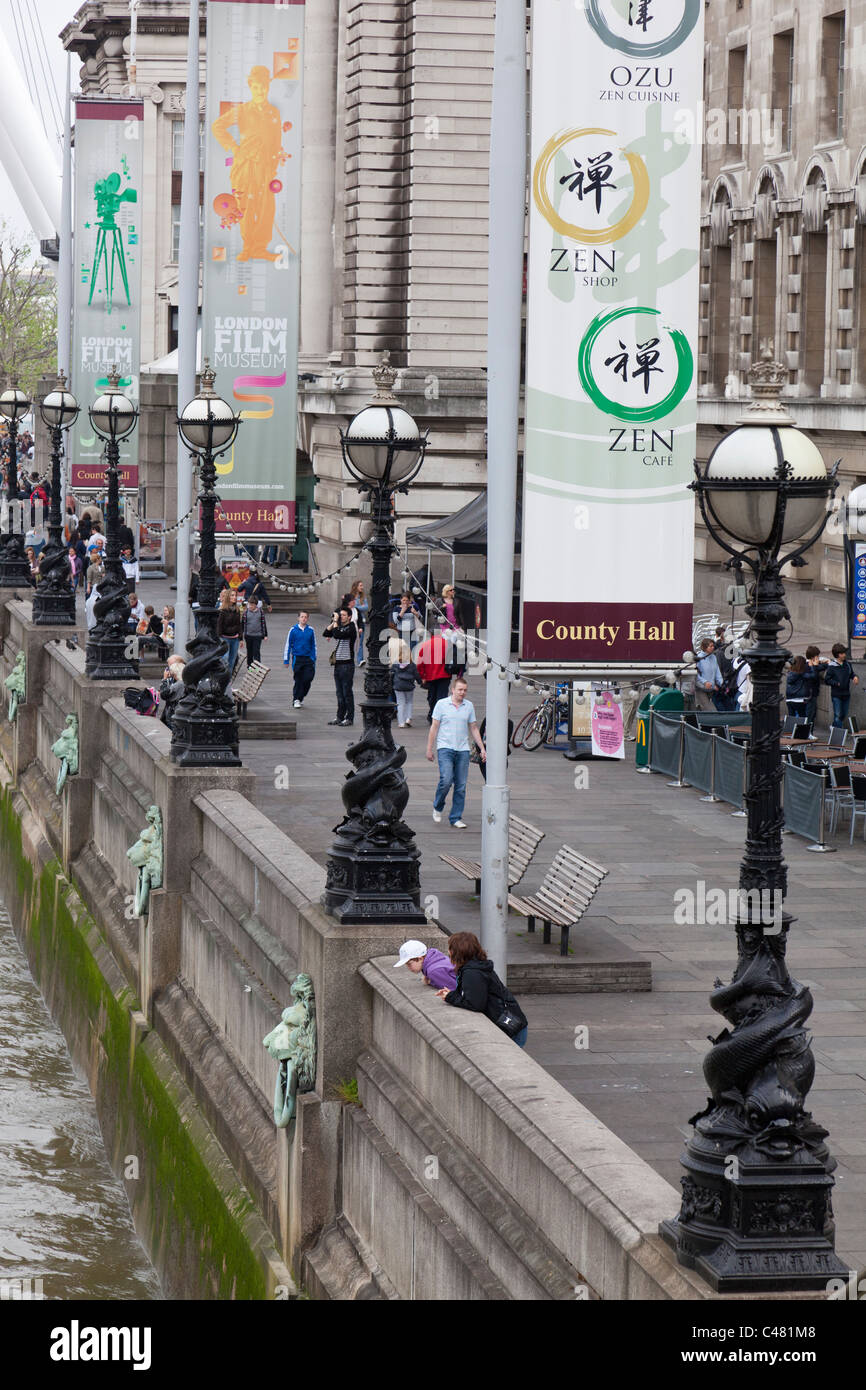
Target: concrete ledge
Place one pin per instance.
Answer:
(599, 963)
(589, 1195)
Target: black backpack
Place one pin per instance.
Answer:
(503, 1009)
(141, 701)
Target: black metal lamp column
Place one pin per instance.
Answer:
(756, 1212)
(54, 600)
(205, 723)
(14, 568)
(373, 866)
(113, 417)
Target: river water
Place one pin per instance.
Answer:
(64, 1217)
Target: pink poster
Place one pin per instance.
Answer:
(607, 731)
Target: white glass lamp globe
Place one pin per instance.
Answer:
(207, 422)
(59, 408)
(113, 414)
(380, 434)
(750, 454)
(14, 403)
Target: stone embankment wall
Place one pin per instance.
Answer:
(464, 1170)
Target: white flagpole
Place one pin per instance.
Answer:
(64, 275)
(187, 322)
(505, 282)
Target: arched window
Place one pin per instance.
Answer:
(765, 234)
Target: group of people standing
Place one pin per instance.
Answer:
(809, 672)
(723, 680)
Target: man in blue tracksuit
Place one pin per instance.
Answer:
(301, 652)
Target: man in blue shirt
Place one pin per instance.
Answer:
(452, 724)
(709, 681)
(301, 652)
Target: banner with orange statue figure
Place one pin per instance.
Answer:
(251, 276)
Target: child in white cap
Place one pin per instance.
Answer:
(434, 965)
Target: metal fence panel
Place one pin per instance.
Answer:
(698, 758)
(804, 795)
(730, 761)
(666, 745)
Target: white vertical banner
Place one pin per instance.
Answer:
(251, 271)
(612, 318)
(106, 276)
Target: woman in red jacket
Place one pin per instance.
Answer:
(430, 661)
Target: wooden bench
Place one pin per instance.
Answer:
(523, 841)
(250, 686)
(568, 888)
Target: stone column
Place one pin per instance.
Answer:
(321, 42)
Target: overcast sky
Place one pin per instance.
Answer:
(53, 15)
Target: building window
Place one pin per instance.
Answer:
(175, 233)
(832, 76)
(736, 99)
(783, 86)
(177, 146)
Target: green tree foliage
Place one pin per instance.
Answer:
(28, 313)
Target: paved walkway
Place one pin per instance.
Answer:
(641, 1070)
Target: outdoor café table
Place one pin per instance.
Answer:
(786, 742)
(826, 755)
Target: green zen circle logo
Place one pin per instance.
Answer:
(643, 23)
(636, 370)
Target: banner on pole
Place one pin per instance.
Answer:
(858, 616)
(251, 243)
(608, 523)
(107, 275)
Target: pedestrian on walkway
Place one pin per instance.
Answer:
(840, 677)
(433, 965)
(798, 687)
(229, 626)
(362, 608)
(452, 724)
(130, 568)
(252, 587)
(301, 652)
(343, 631)
(430, 661)
(709, 680)
(817, 668)
(480, 989)
(404, 674)
(255, 630)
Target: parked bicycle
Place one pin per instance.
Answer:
(538, 726)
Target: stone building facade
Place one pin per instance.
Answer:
(783, 250)
(393, 243)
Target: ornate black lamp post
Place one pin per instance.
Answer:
(14, 568)
(113, 417)
(205, 723)
(756, 1211)
(54, 600)
(374, 861)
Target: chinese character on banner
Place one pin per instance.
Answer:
(595, 180)
(643, 14)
